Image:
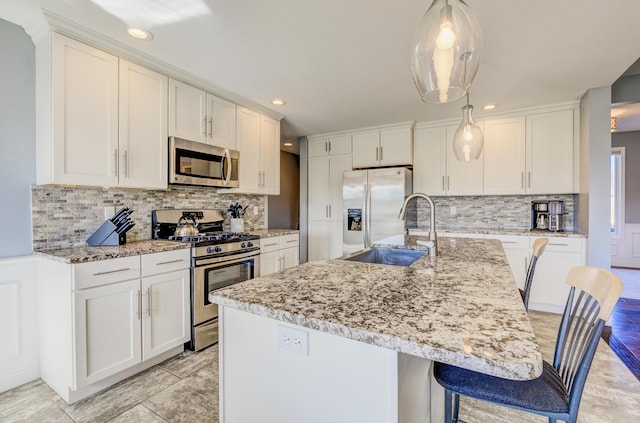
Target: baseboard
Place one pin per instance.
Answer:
(549, 308)
(16, 379)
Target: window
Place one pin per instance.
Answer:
(617, 191)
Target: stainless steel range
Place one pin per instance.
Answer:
(218, 259)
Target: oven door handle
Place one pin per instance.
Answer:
(226, 158)
(223, 261)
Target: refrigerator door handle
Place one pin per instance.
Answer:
(365, 214)
(368, 216)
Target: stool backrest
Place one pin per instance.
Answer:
(536, 251)
(594, 293)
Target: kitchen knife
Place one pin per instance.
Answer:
(119, 214)
(123, 218)
(125, 227)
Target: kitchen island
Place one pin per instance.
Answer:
(348, 341)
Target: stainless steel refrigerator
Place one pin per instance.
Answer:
(371, 201)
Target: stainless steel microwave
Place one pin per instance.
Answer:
(194, 163)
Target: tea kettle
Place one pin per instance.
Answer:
(188, 228)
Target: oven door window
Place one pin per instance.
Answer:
(222, 276)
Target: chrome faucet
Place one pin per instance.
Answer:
(432, 226)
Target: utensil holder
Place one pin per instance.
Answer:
(237, 224)
(106, 235)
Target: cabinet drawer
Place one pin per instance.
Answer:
(287, 241)
(562, 244)
(270, 244)
(511, 241)
(167, 261)
(96, 273)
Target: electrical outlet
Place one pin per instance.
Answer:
(294, 340)
(453, 210)
(109, 212)
(255, 210)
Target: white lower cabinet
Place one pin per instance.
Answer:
(516, 248)
(103, 321)
(279, 253)
(325, 240)
(549, 290)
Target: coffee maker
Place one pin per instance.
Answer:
(539, 215)
(547, 216)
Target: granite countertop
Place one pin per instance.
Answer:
(461, 307)
(85, 254)
(502, 231)
(268, 233)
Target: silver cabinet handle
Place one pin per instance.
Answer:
(271, 245)
(509, 242)
(558, 244)
(329, 146)
(377, 159)
(204, 126)
(329, 211)
(448, 183)
(126, 163)
(529, 179)
(139, 313)
(443, 189)
(169, 262)
(115, 159)
(326, 146)
(211, 127)
(149, 301)
(124, 269)
(381, 153)
(522, 180)
(292, 240)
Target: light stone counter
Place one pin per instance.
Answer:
(88, 253)
(462, 307)
(268, 233)
(502, 231)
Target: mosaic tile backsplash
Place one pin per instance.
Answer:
(66, 216)
(485, 212)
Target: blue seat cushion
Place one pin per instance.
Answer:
(546, 394)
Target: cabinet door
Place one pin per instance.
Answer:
(248, 139)
(319, 240)
(463, 178)
(269, 262)
(319, 189)
(366, 149)
(395, 147)
(107, 335)
(187, 111)
(337, 167)
(318, 147)
(143, 127)
(290, 257)
(221, 122)
(504, 156)
(340, 145)
(335, 239)
(270, 155)
(166, 312)
(85, 114)
(429, 170)
(550, 153)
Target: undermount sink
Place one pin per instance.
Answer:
(390, 256)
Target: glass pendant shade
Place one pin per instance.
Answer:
(446, 51)
(468, 139)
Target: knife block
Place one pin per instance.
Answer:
(106, 235)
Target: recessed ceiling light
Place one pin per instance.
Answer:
(277, 102)
(288, 144)
(141, 34)
(489, 107)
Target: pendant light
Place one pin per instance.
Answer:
(446, 51)
(468, 139)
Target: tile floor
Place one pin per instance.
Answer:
(185, 389)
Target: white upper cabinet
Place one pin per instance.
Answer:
(436, 170)
(504, 156)
(77, 113)
(550, 152)
(200, 116)
(330, 146)
(101, 121)
(187, 112)
(143, 127)
(389, 146)
(258, 138)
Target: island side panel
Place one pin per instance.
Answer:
(339, 380)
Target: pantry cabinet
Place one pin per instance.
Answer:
(105, 320)
(279, 253)
(199, 116)
(325, 240)
(389, 146)
(436, 170)
(258, 140)
(101, 121)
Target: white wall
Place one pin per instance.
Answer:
(17, 139)
(595, 149)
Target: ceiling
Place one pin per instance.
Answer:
(343, 65)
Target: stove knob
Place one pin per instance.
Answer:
(243, 245)
(218, 249)
(210, 250)
(249, 244)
